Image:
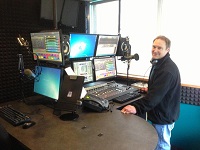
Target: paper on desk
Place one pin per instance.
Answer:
(69, 72)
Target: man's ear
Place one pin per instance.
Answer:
(168, 49)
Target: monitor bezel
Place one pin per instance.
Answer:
(108, 77)
(82, 57)
(98, 40)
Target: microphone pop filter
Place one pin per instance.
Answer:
(136, 57)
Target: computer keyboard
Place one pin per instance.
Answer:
(13, 116)
(126, 97)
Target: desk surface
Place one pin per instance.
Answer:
(99, 131)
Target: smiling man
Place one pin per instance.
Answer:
(162, 101)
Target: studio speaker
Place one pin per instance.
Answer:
(65, 46)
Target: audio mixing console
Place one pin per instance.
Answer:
(110, 90)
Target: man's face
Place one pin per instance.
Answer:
(159, 49)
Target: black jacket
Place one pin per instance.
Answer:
(162, 102)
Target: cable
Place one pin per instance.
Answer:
(145, 74)
(61, 14)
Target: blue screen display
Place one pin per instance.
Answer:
(48, 82)
(82, 45)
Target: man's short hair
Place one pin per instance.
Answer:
(164, 38)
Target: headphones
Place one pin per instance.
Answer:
(154, 61)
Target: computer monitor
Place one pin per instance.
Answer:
(84, 68)
(107, 45)
(47, 83)
(46, 46)
(82, 45)
(104, 68)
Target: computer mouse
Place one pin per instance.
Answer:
(29, 124)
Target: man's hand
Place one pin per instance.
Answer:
(129, 109)
(144, 90)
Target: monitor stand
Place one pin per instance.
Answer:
(69, 116)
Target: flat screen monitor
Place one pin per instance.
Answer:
(47, 83)
(107, 45)
(105, 67)
(84, 68)
(82, 45)
(47, 46)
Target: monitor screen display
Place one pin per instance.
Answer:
(47, 46)
(105, 68)
(47, 83)
(107, 45)
(84, 68)
(82, 45)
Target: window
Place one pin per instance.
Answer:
(143, 20)
(139, 23)
(104, 17)
(182, 27)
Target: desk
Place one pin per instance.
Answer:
(99, 131)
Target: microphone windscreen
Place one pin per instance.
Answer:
(136, 57)
(29, 73)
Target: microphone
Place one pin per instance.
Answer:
(22, 41)
(135, 56)
(29, 73)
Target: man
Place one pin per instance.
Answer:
(162, 101)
